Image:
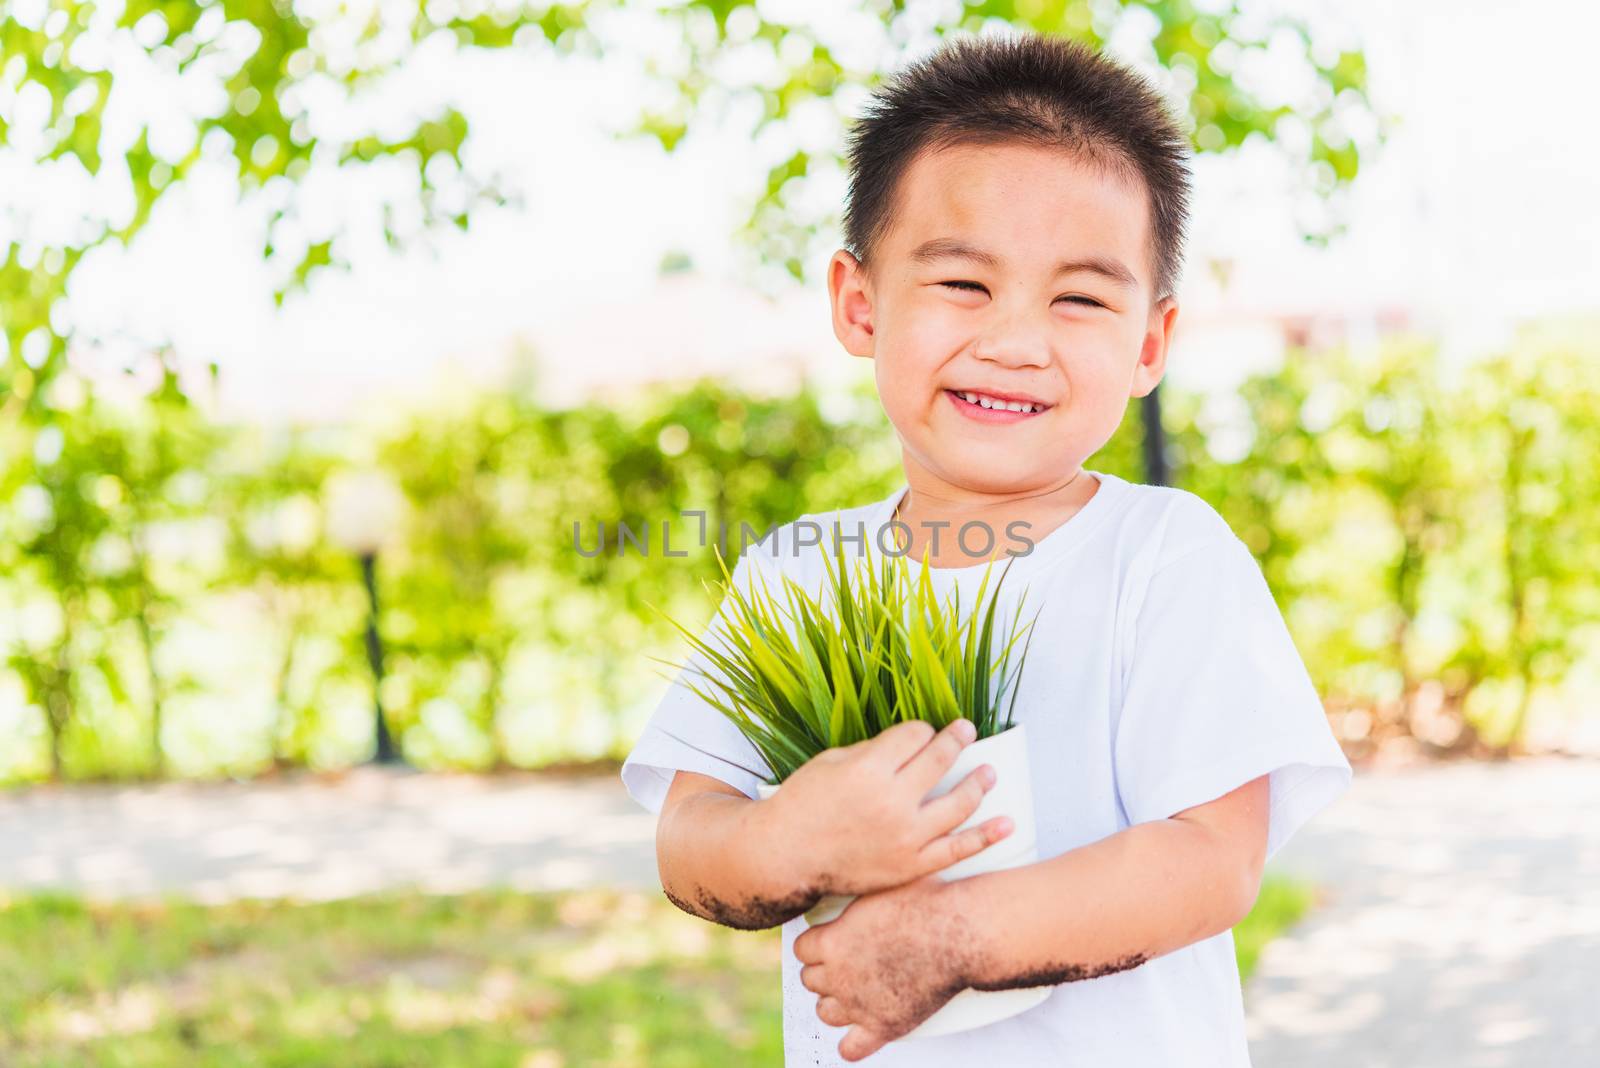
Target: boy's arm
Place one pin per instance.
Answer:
(717, 861)
(895, 957)
(851, 820)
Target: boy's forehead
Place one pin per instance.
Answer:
(1017, 204)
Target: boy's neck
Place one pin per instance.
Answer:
(932, 504)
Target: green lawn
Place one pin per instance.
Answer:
(489, 979)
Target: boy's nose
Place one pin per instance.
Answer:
(1014, 344)
(1014, 335)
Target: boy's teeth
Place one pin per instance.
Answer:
(986, 402)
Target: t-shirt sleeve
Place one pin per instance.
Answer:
(685, 732)
(1216, 695)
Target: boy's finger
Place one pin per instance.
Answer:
(924, 770)
(948, 810)
(831, 1011)
(899, 743)
(943, 852)
(814, 978)
(859, 1043)
(806, 947)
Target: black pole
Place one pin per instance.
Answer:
(385, 752)
(1155, 440)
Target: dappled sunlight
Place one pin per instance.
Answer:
(323, 838)
(1460, 919)
(1454, 901)
(121, 1012)
(594, 977)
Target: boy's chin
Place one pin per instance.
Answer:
(973, 471)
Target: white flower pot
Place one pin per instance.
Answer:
(1011, 795)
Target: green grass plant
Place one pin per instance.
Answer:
(801, 673)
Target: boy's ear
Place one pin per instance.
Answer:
(1153, 353)
(850, 295)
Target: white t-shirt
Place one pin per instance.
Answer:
(1160, 676)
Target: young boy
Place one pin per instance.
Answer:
(1015, 232)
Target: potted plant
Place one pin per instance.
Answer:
(798, 676)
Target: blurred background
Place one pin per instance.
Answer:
(324, 323)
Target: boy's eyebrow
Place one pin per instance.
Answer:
(953, 248)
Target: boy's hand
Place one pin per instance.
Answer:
(854, 817)
(887, 963)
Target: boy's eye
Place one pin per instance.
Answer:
(1088, 302)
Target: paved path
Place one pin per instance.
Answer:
(1461, 927)
(325, 837)
(1461, 930)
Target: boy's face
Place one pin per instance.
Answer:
(937, 323)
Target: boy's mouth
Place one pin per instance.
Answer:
(995, 408)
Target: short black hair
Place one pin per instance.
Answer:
(1034, 89)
